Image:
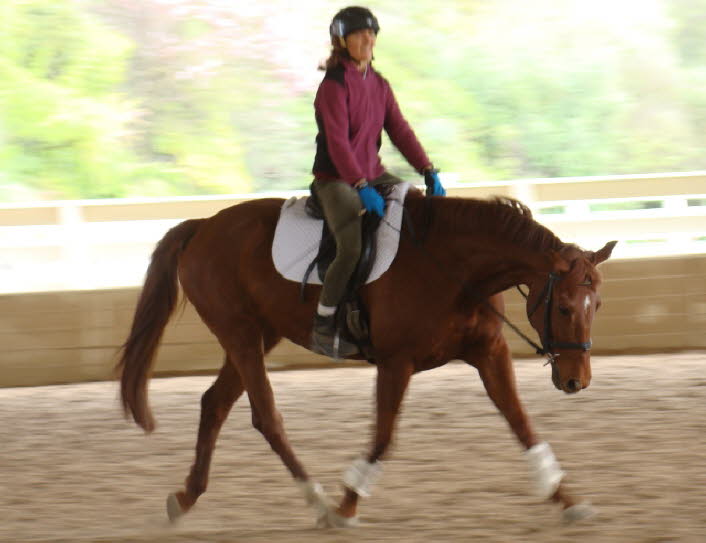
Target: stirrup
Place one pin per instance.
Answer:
(326, 339)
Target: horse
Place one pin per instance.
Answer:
(440, 300)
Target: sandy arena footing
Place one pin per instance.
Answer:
(633, 444)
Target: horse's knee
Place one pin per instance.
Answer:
(270, 427)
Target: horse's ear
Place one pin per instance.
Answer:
(603, 254)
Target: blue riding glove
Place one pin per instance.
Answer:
(372, 201)
(433, 183)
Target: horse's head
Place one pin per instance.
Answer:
(561, 305)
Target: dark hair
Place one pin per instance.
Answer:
(336, 57)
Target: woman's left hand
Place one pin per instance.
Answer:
(433, 183)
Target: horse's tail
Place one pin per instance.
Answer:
(155, 306)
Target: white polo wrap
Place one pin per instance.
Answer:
(361, 476)
(313, 492)
(544, 469)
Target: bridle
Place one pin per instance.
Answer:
(549, 345)
(548, 342)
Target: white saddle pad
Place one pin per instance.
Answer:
(297, 238)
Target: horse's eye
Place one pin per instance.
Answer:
(564, 310)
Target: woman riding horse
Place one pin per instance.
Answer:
(440, 300)
(353, 104)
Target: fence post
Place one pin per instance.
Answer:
(74, 261)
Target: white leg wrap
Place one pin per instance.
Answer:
(544, 469)
(314, 494)
(361, 476)
(317, 498)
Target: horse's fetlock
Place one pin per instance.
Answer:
(196, 487)
(544, 469)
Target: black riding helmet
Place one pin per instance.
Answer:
(351, 19)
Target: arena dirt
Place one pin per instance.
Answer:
(633, 444)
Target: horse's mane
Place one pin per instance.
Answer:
(499, 217)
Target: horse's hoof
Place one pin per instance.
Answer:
(331, 519)
(174, 509)
(580, 511)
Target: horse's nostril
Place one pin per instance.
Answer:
(573, 385)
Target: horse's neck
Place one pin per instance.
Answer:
(483, 242)
(487, 265)
(491, 270)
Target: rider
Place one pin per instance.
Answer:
(352, 106)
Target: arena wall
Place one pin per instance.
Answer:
(655, 304)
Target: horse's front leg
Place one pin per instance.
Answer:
(392, 381)
(496, 371)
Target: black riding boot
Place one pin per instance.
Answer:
(327, 340)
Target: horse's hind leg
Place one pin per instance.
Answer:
(215, 406)
(246, 352)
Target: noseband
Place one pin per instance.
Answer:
(549, 345)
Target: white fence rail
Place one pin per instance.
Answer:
(69, 245)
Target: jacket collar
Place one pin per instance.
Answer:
(350, 65)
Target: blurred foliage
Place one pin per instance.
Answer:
(111, 98)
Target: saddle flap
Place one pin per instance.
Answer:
(297, 238)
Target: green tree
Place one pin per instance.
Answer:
(106, 98)
(61, 120)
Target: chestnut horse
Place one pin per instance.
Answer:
(439, 301)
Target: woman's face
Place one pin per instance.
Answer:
(360, 45)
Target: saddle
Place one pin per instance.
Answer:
(351, 315)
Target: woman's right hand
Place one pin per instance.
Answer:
(372, 201)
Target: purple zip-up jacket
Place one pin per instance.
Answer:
(351, 109)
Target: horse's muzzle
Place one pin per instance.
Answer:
(569, 386)
(572, 386)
